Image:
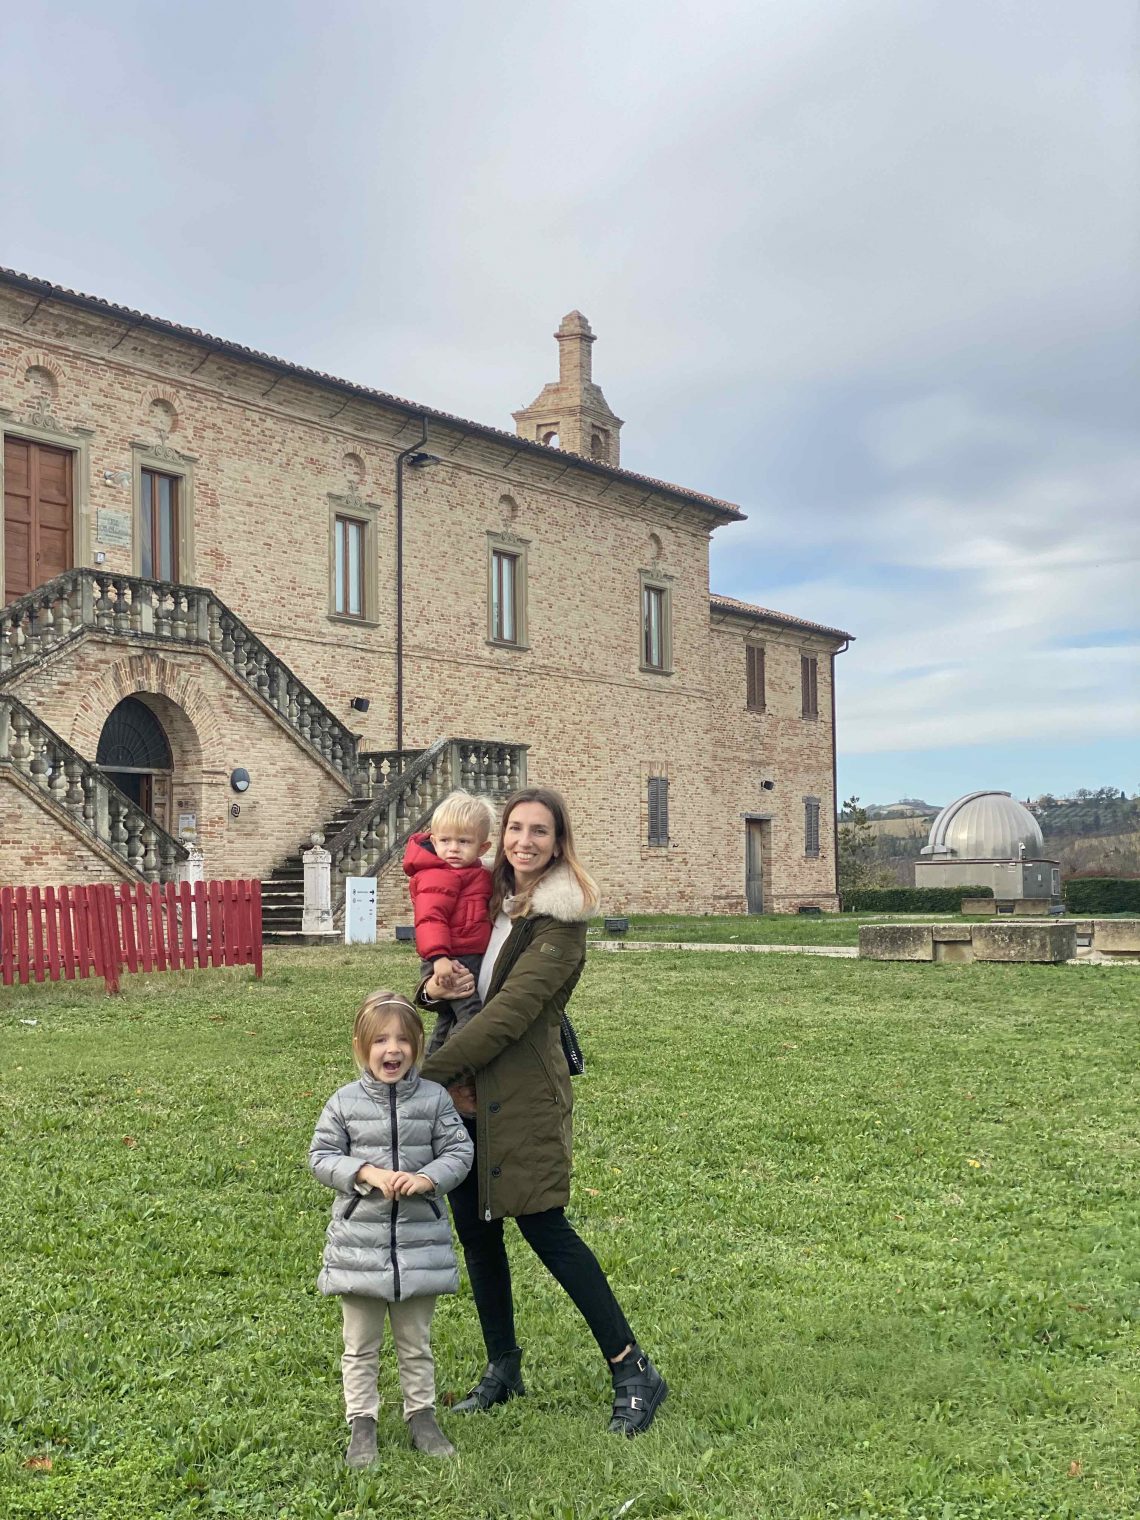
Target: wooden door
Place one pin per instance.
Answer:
(38, 506)
(754, 865)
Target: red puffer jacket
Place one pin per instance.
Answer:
(450, 902)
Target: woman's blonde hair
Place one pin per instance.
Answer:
(375, 1011)
(502, 873)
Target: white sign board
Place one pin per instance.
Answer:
(360, 910)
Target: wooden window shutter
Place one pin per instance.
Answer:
(755, 667)
(659, 810)
(809, 690)
(811, 826)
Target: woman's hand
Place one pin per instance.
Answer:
(405, 1184)
(462, 1094)
(460, 984)
(378, 1177)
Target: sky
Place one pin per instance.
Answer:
(867, 268)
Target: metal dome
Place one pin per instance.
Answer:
(985, 826)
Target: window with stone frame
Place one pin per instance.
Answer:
(656, 624)
(811, 826)
(754, 677)
(507, 590)
(809, 686)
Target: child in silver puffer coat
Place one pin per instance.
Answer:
(392, 1145)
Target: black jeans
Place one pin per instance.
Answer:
(562, 1252)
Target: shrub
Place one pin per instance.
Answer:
(1103, 894)
(910, 899)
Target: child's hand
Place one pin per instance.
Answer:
(379, 1177)
(405, 1184)
(443, 971)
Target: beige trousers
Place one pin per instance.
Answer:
(363, 1337)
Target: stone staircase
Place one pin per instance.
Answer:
(35, 758)
(369, 833)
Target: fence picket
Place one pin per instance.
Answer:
(125, 918)
(7, 937)
(22, 932)
(37, 915)
(142, 927)
(217, 926)
(156, 909)
(66, 942)
(255, 922)
(51, 926)
(201, 938)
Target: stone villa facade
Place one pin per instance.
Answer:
(245, 602)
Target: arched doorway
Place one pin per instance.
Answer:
(134, 753)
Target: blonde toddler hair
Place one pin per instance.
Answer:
(459, 809)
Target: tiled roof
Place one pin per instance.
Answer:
(725, 510)
(747, 609)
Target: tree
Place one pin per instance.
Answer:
(857, 865)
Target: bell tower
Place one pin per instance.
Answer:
(572, 413)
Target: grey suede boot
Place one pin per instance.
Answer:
(427, 1436)
(362, 1448)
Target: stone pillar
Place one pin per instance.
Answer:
(192, 869)
(317, 917)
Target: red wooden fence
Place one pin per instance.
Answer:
(103, 930)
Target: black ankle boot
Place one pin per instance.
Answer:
(501, 1381)
(639, 1391)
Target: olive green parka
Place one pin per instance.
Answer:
(514, 1048)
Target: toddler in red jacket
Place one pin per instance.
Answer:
(451, 890)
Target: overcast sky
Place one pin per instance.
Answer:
(866, 267)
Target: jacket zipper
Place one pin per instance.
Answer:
(395, 1203)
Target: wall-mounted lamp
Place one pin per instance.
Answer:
(239, 780)
(420, 458)
(767, 786)
(359, 704)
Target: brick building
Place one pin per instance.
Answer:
(245, 602)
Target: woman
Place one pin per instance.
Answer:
(517, 1107)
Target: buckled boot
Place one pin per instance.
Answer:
(427, 1436)
(362, 1448)
(639, 1391)
(501, 1381)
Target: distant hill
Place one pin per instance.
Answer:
(1094, 815)
(905, 807)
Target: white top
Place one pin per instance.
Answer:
(502, 927)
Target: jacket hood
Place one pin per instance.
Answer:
(559, 896)
(419, 854)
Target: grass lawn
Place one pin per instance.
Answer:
(769, 929)
(878, 1223)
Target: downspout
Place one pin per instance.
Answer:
(411, 449)
(835, 769)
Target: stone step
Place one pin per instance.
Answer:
(283, 937)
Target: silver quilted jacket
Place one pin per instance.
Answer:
(389, 1248)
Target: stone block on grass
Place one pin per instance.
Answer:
(1047, 941)
(1116, 936)
(896, 942)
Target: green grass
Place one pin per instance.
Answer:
(878, 1223)
(766, 929)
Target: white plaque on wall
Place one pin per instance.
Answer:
(113, 526)
(187, 823)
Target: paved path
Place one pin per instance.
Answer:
(850, 951)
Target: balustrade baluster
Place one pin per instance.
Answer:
(178, 614)
(74, 771)
(133, 823)
(214, 636)
(91, 804)
(57, 777)
(121, 618)
(64, 620)
(21, 743)
(117, 832)
(150, 855)
(227, 645)
(44, 624)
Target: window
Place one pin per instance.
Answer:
(504, 598)
(659, 810)
(811, 825)
(506, 590)
(656, 624)
(809, 687)
(349, 542)
(754, 676)
(158, 526)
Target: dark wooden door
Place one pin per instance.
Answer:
(38, 500)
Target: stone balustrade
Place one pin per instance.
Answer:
(382, 825)
(376, 767)
(127, 606)
(37, 753)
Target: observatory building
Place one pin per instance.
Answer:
(987, 839)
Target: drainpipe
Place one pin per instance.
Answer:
(835, 769)
(412, 449)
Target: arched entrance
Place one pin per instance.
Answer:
(135, 754)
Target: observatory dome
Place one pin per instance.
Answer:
(985, 826)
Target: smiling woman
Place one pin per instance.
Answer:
(511, 1081)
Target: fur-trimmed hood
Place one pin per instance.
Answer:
(559, 896)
